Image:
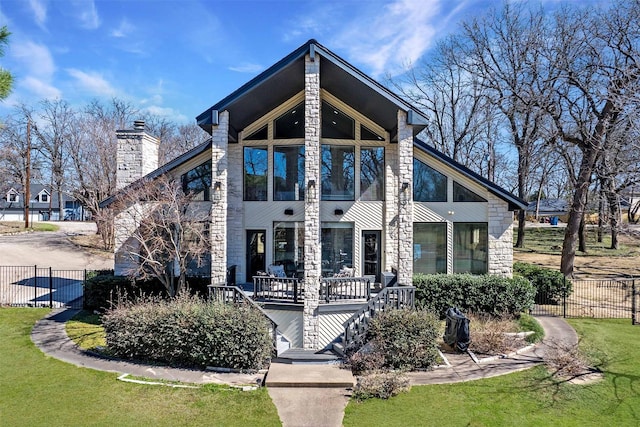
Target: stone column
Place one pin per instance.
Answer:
(391, 207)
(500, 237)
(218, 225)
(136, 156)
(405, 200)
(312, 250)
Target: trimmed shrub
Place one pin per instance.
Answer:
(103, 290)
(485, 294)
(550, 284)
(406, 338)
(186, 331)
(381, 385)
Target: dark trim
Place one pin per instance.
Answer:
(515, 203)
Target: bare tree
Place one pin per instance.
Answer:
(53, 127)
(168, 231)
(593, 61)
(502, 50)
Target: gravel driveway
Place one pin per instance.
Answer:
(52, 249)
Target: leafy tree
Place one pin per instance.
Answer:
(6, 79)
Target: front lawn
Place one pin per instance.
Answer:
(8, 227)
(529, 398)
(37, 390)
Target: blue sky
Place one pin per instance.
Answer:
(177, 58)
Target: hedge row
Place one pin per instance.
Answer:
(486, 294)
(551, 285)
(103, 290)
(186, 331)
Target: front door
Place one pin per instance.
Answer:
(371, 253)
(255, 253)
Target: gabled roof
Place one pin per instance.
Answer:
(286, 78)
(514, 201)
(35, 191)
(167, 167)
(549, 207)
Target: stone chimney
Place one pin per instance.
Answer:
(137, 154)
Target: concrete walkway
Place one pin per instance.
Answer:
(304, 394)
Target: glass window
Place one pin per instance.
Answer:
(255, 173)
(463, 194)
(369, 135)
(197, 182)
(338, 172)
(259, 135)
(44, 197)
(12, 197)
(470, 244)
(290, 124)
(429, 185)
(336, 124)
(288, 247)
(337, 247)
(429, 247)
(288, 172)
(372, 173)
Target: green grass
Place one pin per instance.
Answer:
(528, 323)
(86, 331)
(36, 390)
(528, 398)
(549, 241)
(15, 227)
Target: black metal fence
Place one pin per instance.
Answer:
(33, 286)
(615, 298)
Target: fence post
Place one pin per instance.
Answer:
(50, 287)
(564, 297)
(634, 306)
(35, 285)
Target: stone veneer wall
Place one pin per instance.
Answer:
(312, 253)
(500, 237)
(136, 156)
(390, 211)
(218, 226)
(235, 212)
(405, 205)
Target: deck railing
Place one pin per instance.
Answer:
(394, 297)
(332, 289)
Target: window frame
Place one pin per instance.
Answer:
(300, 179)
(440, 194)
(441, 251)
(483, 236)
(264, 148)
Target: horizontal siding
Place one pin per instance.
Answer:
(289, 324)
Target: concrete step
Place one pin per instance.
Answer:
(309, 376)
(298, 355)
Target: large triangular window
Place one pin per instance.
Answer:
(429, 185)
(291, 124)
(336, 124)
(463, 194)
(259, 135)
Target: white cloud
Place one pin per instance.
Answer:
(39, 9)
(382, 36)
(36, 58)
(167, 112)
(92, 82)
(40, 88)
(86, 13)
(247, 68)
(124, 29)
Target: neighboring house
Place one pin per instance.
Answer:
(548, 208)
(43, 204)
(314, 166)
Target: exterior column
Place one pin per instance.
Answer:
(218, 225)
(405, 200)
(500, 229)
(391, 207)
(312, 249)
